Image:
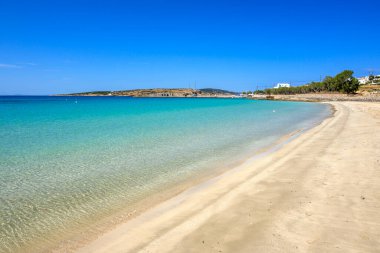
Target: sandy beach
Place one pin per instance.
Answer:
(319, 192)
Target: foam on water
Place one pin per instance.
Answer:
(66, 161)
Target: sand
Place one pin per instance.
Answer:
(320, 192)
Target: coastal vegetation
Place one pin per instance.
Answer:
(343, 82)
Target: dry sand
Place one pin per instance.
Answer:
(318, 193)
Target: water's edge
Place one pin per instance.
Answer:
(74, 169)
(192, 184)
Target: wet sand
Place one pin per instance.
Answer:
(318, 193)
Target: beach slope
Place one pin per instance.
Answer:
(318, 193)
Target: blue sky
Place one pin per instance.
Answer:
(49, 47)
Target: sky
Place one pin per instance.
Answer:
(55, 47)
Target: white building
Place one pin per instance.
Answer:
(363, 80)
(282, 85)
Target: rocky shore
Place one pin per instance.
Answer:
(322, 97)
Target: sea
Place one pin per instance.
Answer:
(69, 162)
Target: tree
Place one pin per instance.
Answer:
(351, 85)
(345, 82)
(342, 78)
(342, 82)
(329, 83)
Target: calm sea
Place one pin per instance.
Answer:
(67, 161)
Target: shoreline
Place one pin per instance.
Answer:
(175, 223)
(107, 224)
(320, 97)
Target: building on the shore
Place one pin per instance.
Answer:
(367, 80)
(363, 80)
(282, 85)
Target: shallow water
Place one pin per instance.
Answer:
(66, 161)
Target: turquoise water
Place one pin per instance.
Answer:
(66, 161)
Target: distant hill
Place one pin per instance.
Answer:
(179, 92)
(217, 91)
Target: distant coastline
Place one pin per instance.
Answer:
(160, 92)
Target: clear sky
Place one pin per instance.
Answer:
(49, 47)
